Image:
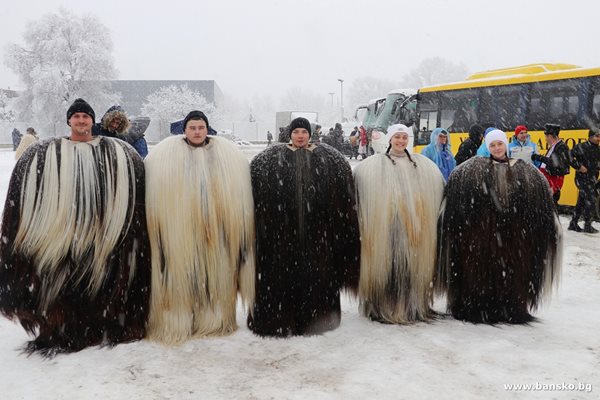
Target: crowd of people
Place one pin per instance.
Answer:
(161, 247)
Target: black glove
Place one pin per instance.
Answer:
(536, 157)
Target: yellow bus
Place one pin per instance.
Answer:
(530, 95)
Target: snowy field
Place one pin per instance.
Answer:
(559, 356)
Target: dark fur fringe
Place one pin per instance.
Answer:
(76, 320)
(499, 242)
(307, 240)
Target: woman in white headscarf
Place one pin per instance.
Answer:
(398, 196)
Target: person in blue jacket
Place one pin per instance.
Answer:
(438, 151)
(115, 124)
(521, 146)
(483, 151)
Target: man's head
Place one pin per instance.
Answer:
(476, 133)
(80, 117)
(300, 132)
(551, 131)
(594, 136)
(115, 120)
(521, 133)
(195, 127)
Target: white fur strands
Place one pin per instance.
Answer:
(69, 178)
(200, 217)
(398, 207)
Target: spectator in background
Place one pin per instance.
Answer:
(16, 138)
(438, 150)
(338, 136)
(269, 138)
(115, 124)
(316, 136)
(27, 140)
(469, 147)
(556, 163)
(483, 151)
(585, 158)
(354, 136)
(363, 148)
(521, 147)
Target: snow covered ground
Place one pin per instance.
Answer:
(447, 359)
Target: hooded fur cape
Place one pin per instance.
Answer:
(201, 226)
(307, 239)
(500, 241)
(398, 206)
(74, 250)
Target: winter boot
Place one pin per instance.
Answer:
(574, 227)
(588, 228)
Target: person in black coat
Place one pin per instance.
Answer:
(307, 236)
(556, 163)
(585, 158)
(16, 138)
(469, 147)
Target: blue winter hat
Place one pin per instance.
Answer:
(488, 130)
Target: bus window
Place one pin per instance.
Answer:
(427, 123)
(536, 117)
(556, 102)
(486, 115)
(458, 111)
(596, 107)
(509, 104)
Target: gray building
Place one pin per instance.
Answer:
(134, 92)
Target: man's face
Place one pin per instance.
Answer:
(595, 138)
(522, 136)
(81, 125)
(300, 137)
(442, 139)
(196, 131)
(114, 125)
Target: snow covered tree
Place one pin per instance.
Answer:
(6, 114)
(65, 56)
(171, 103)
(432, 71)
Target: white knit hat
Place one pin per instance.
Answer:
(495, 135)
(398, 128)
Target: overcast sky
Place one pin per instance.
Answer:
(267, 46)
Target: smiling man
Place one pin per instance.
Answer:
(75, 247)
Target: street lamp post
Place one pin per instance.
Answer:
(341, 99)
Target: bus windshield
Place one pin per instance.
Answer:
(387, 116)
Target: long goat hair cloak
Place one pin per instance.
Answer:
(398, 205)
(74, 255)
(201, 226)
(308, 244)
(500, 245)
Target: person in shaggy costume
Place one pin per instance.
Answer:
(399, 195)
(306, 233)
(500, 242)
(201, 227)
(74, 250)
